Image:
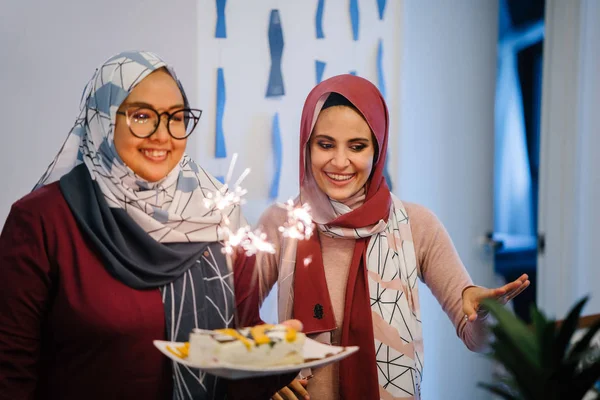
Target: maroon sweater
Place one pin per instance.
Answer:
(68, 329)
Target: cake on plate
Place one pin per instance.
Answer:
(258, 346)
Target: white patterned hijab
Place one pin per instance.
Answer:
(171, 210)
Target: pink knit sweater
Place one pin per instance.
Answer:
(439, 266)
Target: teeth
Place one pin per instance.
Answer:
(337, 177)
(155, 153)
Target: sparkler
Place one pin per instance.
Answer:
(251, 241)
(299, 223)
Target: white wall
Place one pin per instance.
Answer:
(49, 52)
(570, 139)
(445, 159)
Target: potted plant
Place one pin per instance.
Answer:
(543, 361)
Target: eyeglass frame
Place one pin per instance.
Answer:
(169, 116)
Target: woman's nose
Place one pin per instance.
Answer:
(162, 133)
(340, 159)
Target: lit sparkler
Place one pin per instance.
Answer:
(299, 223)
(251, 241)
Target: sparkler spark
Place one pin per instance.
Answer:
(299, 224)
(251, 241)
(224, 198)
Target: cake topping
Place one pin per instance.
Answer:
(180, 351)
(235, 334)
(258, 334)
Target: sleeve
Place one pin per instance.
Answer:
(25, 282)
(246, 290)
(267, 263)
(255, 276)
(442, 270)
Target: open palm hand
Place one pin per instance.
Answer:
(474, 295)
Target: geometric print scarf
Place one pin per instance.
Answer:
(392, 275)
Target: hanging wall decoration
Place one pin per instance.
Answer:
(320, 68)
(220, 33)
(380, 76)
(277, 156)
(275, 87)
(221, 28)
(381, 7)
(354, 18)
(319, 19)
(220, 148)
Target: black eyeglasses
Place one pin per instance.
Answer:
(144, 121)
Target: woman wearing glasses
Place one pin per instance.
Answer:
(115, 248)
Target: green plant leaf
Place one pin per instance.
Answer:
(568, 328)
(582, 344)
(525, 376)
(498, 390)
(511, 354)
(545, 332)
(543, 362)
(566, 370)
(585, 381)
(516, 331)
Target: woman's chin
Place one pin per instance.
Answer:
(340, 195)
(152, 176)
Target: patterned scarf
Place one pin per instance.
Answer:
(170, 210)
(381, 307)
(149, 234)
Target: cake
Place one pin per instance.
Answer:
(258, 346)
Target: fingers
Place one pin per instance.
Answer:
(509, 290)
(294, 391)
(287, 394)
(517, 292)
(504, 294)
(495, 293)
(299, 388)
(293, 323)
(469, 310)
(509, 287)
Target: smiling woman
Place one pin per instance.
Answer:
(359, 286)
(121, 251)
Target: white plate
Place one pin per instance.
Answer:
(321, 353)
